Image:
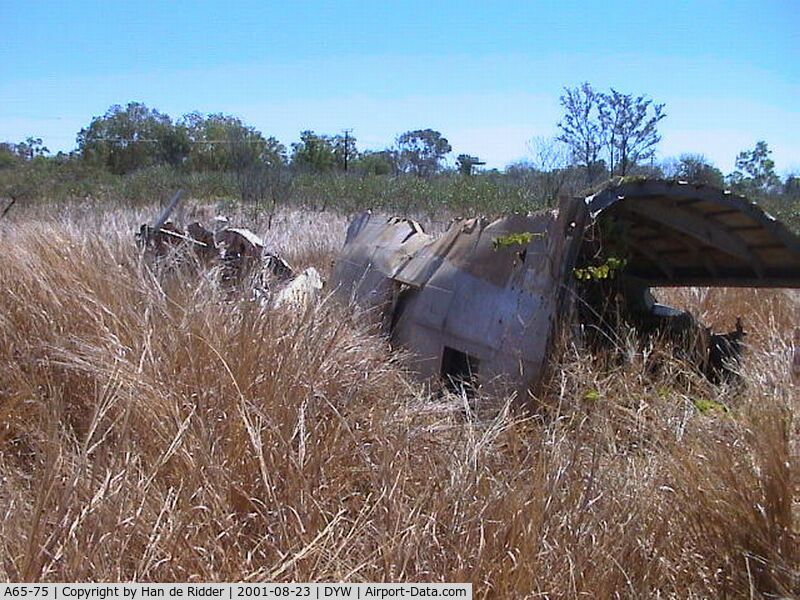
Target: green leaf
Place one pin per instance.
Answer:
(515, 239)
(592, 395)
(704, 405)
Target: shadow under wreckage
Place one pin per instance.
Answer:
(483, 303)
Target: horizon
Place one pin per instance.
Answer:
(488, 78)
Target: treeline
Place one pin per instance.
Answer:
(128, 138)
(601, 134)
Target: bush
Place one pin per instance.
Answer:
(490, 193)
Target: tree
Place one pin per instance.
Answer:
(382, 162)
(581, 129)
(215, 139)
(260, 177)
(466, 163)
(695, 168)
(129, 138)
(624, 125)
(755, 170)
(8, 155)
(31, 148)
(208, 135)
(315, 153)
(550, 163)
(173, 145)
(422, 151)
(11, 154)
(791, 187)
(344, 150)
(630, 129)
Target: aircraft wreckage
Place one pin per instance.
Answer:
(485, 302)
(239, 252)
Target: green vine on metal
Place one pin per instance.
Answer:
(607, 270)
(515, 239)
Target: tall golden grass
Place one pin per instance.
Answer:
(154, 428)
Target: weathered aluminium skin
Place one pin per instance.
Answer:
(486, 300)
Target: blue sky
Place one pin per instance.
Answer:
(486, 74)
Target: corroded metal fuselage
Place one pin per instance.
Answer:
(479, 303)
(484, 301)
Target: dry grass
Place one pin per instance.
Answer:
(152, 428)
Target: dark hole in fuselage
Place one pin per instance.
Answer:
(459, 371)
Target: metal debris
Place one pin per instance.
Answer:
(484, 302)
(239, 252)
(300, 291)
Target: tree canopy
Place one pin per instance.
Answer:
(620, 129)
(466, 163)
(128, 138)
(222, 142)
(600, 134)
(581, 129)
(695, 168)
(755, 170)
(630, 129)
(421, 151)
